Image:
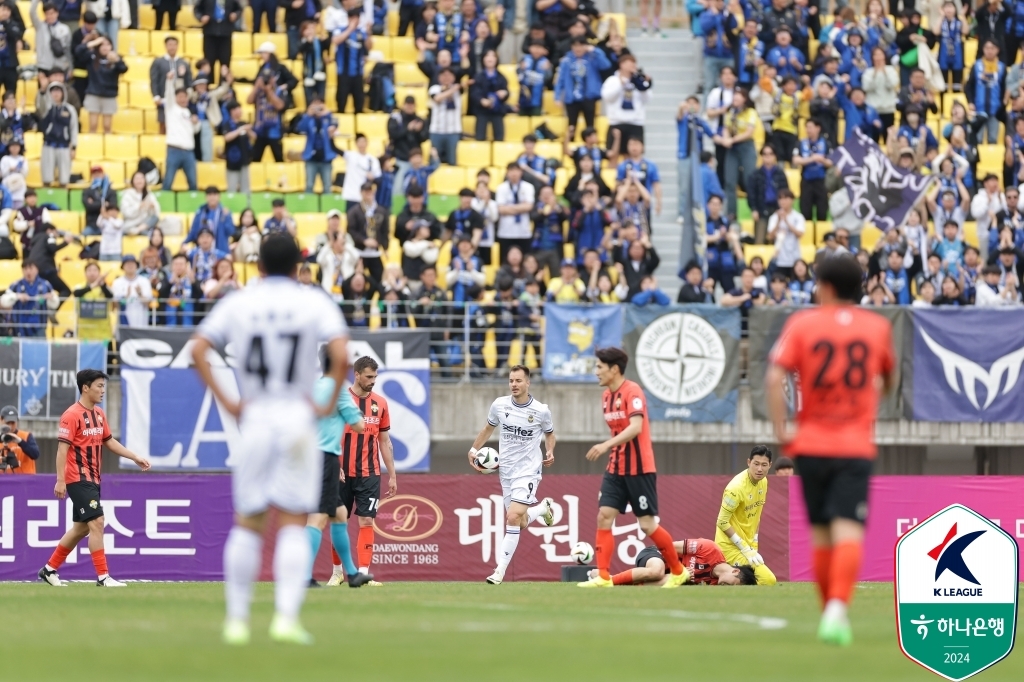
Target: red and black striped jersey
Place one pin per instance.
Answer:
(361, 451)
(636, 456)
(85, 431)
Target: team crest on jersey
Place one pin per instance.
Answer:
(373, 408)
(530, 419)
(85, 418)
(93, 504)
(618, 403)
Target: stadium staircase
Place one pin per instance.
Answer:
(675, 65)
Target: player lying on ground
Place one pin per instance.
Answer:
(524, 423)
(83, 432)
(702, 557)
(329, 430)
(844, 358)
(740, 515)
(630, 478)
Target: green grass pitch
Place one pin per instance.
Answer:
(520, 632)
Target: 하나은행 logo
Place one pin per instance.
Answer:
(956, 592)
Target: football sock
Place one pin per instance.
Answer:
(822, 568)
(846, 558)
(604, 546)
(655, 22)
(508, 547)
(291, 561)
(643, 23)
(58, 557)
(99, 562)
(663, 541)
(365, 548)
(335, 559)
(315, 538)
(241, 566)
(342, 548)
(534, 512)
(624, 578)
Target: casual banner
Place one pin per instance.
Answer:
(571, 335)
(38, 377)
(966, 366)
(880, 193)
(157, 527)
(687, 360)
(897, 503)
(765, 325)
(436, 528)
(171, 418)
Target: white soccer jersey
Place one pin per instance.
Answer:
(273, 332)
(521, 430)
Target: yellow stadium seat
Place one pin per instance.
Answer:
(193, 46)
(309, 225)
(504, 153)
(793, 177)
(114, 171)
(152, 146)
(516, 127)
(971, 233)
(122, 147)
(392, 23)
(139, 95)
(90, 146)
(374, 126)
(473, 154)
(157, 38)
(556, 124)
(138, 69)
(241, 44)
(447, 180)
(33, 145)
(765, 251)
(409, 75)
(134, 245)
(404, 50)
(246, 68)
(135, 43)
(280, 41)
(814, 232)
(609, 177)
(35, 175)
(130, 121)
(239, 272)
(151, 123)
(549, 149)
(991, 156)
(970, 51)
(72, 271)
(122, 98)
(293, 147)
(469, 124)
(214, 173)
(147, 16)
(69, 221)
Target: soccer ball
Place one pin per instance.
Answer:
(582, 553)
(487, 459)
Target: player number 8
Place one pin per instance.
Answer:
(643, 501)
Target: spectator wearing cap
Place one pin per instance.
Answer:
(515, 199)
(445, 116)
(18, 444)
(764, 186)
(567, 287)
(624, 97)
(319, 126)
(214, 217)
(368, 226)
(279, 221)
(132, 294)
(50, 30)
(406, 130)
(237, 148)
(218, 18)
(180, 124)
(84, 33)
(169, 62)
(59, 125)
(719, 27)
(204, 256)
(96, 197)
(206, 103)
(578, 84)
(694, 288)
(31, 298)
(995, 291)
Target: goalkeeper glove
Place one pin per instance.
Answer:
(748, 553)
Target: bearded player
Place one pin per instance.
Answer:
(740, 515)
(630, 478)
(842, 356)
(702, 558)
(524, 423)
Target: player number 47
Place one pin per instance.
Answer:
(255, 362)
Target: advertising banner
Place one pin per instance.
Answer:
(171, 418)
(38, 377)
(898, 503)
(966, 366)
(765, 325)
(163, 527)
(571, 335)
(686, 358)
(157, 527)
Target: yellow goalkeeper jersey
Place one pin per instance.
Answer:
(742, 503)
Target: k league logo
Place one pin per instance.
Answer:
(956, 593)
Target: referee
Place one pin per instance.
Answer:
(330, 429)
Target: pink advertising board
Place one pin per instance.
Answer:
(898, 503)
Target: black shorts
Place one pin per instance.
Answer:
(364, 491)
(648, 553)
(85, 501)
(330, 490)
(834, 487)
(640, 492)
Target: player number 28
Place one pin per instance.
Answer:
(856, 355)
(255, 362)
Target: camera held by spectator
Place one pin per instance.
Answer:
(7, 457)
(641, 81)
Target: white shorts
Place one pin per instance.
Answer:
(280, 465)
(522, 489)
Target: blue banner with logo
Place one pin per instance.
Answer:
(966, 366)
(572, 333)
(171, 418)
(686, 358)
(38, 377)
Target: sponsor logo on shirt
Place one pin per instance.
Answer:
(95, 431)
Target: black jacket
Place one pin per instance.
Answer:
(482, 88)
(213, 28)
(403, 139)
(648, 265)
(691, 294)
(93, 201)
(103, 74)
(361, 229)
(991, 26)
(41, 251)
(402, 232)
(14, 32)
(904, 45)
(756, 185)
